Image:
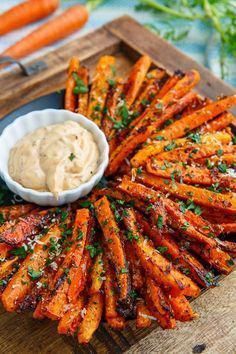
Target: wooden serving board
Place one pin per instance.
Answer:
(127, 40)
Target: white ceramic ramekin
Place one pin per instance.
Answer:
(32, 121)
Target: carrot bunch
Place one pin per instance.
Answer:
(146, 244)
(53, 30)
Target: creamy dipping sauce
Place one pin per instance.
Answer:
(54, 158)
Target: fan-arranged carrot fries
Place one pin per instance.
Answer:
(156, 235)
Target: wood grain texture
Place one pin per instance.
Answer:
(127, 40)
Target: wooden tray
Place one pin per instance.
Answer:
(127, 40)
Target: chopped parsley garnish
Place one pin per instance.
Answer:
(131, 236)
(72, 156)
(87, 204)
(220, 152)
(124, 271)
(222, 167)
(195, 137)
(19, 252)
(80, 85)
(139, 170)
(160, 222)
(94, 249)
(162, 249)
(190, 205)
(111, 82)
(230, 262)
(34, 274)
(159, 137)
(170, 146)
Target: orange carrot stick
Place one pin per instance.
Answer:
(135, 79)
(91, 319)
(105, 71)
(218, 123)
(97, 275)
(25, 13)
(83, 75)
(143, 319)
(196, 119)
(225, 202)
(21, 282)
(57, 28)
(182, 309)
(7, 267)
(15, 211)
(70, 97)
(70, 321)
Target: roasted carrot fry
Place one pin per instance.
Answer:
(21, 282)
(15, 211)
(82, 90)
(71, 319)
(113, 318)
(100, 85)
(7, 267)
(70, 96)
(137, 278)
(91, 319)
(26, 226)
(159, 305)
(181, 307)
(97, 275)
(4, 250)
(226, 202)
(196, 119)
(112, 238)
(218, 123)
(189, 174)
(135, 79)
(229, 159)
(156, 265)
(143, 319)
(109, 118)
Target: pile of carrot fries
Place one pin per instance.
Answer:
(156, 230)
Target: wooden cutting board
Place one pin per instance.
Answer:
(215, 330)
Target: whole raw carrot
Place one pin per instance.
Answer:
(58, 28)
(26, 12)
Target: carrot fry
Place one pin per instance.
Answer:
(137, 278)
(25, 13)
(57, 28)
(113, 318)
(218, 123)
(70, 321)
(15, 211)
(143, 319)
(229, 159)
(188, 174)
(99, 89)
(135, 79)
(4, 250)
(21, 282)
(111, 235)
(181, 307)
(159, 305)
(156, 265)
(196, 119)
(82, 89)
(7, 267)
(91, 319)
(97, 275)
(24, 227)
(70, 96)
(109, 118)
(226, 202)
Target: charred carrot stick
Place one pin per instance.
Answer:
(91, 319)
(113, 318)
(25, 13)
(188, 174)
(26, 226)
(109, 119)
(15, 211)
(195, 120)
(82, 90)
(229, 228)
(156, 266)
(218, 123)
(100, 85)
(135, 79)
(226, 202)
(59, 27)
(21, 282)
(4, 250)
(97, 275)
(7, 267)
(170, 83)
(70, 321)
(112, 238)
(159, 305)
(143, 316)
(137, 278)
(70, 96)
(183, 260)
(182, 309)
(148, 90)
